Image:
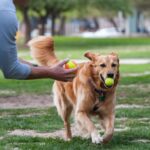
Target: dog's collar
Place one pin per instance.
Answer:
(101, 94)
(101, 98)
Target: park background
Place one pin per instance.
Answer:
(28, 119)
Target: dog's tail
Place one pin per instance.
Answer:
(42, 50)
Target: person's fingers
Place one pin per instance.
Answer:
(71, 70)
(63, 62)
(70, 76)
(62, 79)
(65, 80)
(69, 79)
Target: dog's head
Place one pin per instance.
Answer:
(104, 66)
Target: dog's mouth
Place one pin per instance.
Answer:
(103, 85)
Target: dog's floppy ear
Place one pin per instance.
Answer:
(115, 55)
(90, 56)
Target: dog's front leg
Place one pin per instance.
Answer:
(108, 124)
(85, 121)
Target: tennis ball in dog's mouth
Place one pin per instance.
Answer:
(109, 81)
(70, 65)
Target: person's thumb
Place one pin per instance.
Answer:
(63, 62)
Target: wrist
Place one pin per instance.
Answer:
(39, 72)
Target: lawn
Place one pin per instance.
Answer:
(133, 101)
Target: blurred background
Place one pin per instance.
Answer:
(83, 18)
(28, 119)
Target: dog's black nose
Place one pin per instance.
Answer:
(110, 75)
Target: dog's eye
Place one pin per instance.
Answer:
(103, 65)
(113, 65)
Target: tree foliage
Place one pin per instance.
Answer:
(142, 5)
(54, 8)
(51, 6)
(111, 5)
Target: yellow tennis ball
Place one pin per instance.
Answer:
(70, 65)
(109, 81)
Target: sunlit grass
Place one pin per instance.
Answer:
(131, 90)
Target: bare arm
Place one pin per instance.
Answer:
(57, 72)
(9, 64)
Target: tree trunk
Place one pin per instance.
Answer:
(62, 25)
(113, 23)
(21, 3)
(53, 17)
(96, 24)
(27, 24)
(42, 23)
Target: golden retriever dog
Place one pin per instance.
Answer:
(87, 94)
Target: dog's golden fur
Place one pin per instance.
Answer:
(80, 95)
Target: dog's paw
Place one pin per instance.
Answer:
(67, 139)
(86, 136)
(96, 138)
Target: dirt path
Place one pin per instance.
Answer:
(26, 101)
(56, 134)
(40, 101)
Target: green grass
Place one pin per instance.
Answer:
(122, 51)
(133, 94)
(136, 113)
(77, 144)
(81, 42)
(139, 68)
(131, 90)
(133, 51)
(47, 120)
(43, 120)
(125, 47)
(30, 87)
(74, 47)
(135, 80)
(45, 86)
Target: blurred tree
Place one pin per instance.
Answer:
(112, 7)
(53, 8)
(142, 5)
(43, 9)
(37, 8)
(23, 6)
(107, 8)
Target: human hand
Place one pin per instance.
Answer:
(58, 72)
